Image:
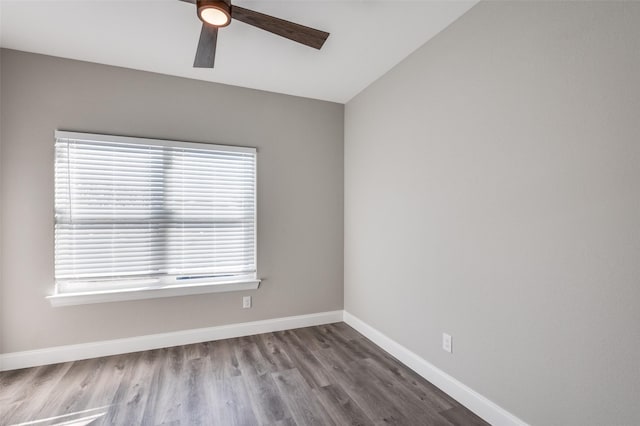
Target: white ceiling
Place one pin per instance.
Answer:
(367, 39)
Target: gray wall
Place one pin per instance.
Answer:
(492, 191)
(300, 193)
(1, 327)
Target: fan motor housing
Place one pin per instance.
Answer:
(219, 5)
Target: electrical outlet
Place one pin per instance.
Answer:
(246, 302)
(446, 343)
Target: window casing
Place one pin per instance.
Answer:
(136, 213)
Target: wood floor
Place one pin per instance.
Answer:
(326, 375)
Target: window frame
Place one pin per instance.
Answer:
(161, 287)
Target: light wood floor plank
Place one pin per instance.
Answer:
(305, 362)
(266, 399)
(342, 409)
(304, 406)
(231, 403)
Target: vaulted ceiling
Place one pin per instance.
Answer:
(367, 39)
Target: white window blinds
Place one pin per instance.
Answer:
(137, 212)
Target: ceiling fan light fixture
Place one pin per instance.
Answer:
(214, 12)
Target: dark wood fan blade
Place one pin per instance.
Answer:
(305, 35)
(206, 53)
(189, 1)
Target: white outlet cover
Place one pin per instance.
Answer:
(447, 343)
(246, 302)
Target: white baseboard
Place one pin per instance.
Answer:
(483, 407)
(477, 403)
(15, 360)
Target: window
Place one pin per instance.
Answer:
(141, 214)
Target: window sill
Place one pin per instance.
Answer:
(85, 298)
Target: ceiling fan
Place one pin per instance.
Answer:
(216, 14)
